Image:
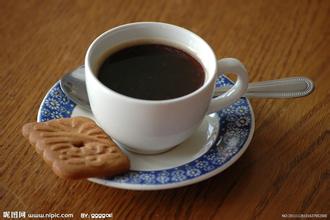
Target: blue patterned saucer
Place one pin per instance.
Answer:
(218, 143)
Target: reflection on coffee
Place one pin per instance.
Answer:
(151, 72)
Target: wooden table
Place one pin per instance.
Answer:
(286, 167)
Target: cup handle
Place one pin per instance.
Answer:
(230, 65)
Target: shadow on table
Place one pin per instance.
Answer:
(206, 196)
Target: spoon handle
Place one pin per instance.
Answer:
(281, 88)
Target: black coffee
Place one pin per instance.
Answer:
(151, 72)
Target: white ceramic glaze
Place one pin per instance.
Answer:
(147, 126)
(220, 140)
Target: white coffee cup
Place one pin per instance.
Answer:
(148, 126)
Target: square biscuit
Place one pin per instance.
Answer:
(76, 148)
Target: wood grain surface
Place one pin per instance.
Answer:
(286, 167)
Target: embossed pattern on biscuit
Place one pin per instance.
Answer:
(76, 148)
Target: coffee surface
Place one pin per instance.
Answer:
(151, 72)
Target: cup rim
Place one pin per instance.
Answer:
(89, 71)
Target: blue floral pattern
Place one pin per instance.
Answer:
(55, 105)
(235, 126)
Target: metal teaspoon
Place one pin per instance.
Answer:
(73, 85)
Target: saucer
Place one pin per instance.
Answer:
(220, 140)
